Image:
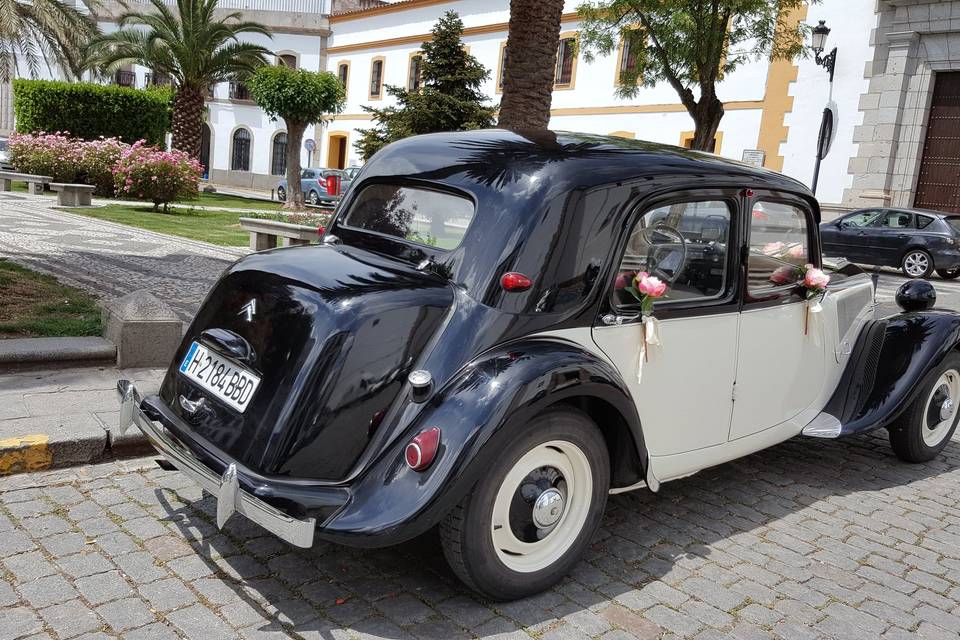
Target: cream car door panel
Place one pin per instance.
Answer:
(684, 395)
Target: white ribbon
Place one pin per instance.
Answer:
(814, 305)
(650, 335)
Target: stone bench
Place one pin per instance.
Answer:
(34, 183)
(265, 234)
(72, 195)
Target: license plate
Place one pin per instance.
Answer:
(224, 380)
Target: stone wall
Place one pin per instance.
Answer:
(914, 40)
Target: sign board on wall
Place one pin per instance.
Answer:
(754, 157)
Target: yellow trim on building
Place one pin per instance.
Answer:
(567, 86)
(777, 102)
(686, 139)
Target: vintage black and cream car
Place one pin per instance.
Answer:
(498, 330)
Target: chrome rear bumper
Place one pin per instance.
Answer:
(226, 488)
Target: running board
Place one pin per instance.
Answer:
(825, 425)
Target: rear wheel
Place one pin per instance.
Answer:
(927, 425)
(916, 263)
(281, 194)
(314, 197)
(949, 274)
(529, 519)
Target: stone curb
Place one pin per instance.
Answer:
(22, 353)
(68, 441)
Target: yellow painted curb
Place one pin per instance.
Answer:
(25, 453)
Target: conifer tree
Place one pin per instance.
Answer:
(449, 97)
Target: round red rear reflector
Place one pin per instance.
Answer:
(422, 449)
(513, 281)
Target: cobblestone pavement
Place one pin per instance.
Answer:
(808, 539)
(109, 259)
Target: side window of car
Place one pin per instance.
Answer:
(893, 220)
(685, 244)
(859, 219)
(923, 221)
(778, 244)
(306, 175)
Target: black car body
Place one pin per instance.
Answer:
(917, 241)
(448, 323)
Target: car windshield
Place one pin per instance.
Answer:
(418, 215)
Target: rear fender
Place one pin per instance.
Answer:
(885, 371)
(478, 412)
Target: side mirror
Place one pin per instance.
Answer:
(838, 224)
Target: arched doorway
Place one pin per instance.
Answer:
(337, 151)
(205, 149)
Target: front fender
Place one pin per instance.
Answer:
(477, 411)
(890, 360)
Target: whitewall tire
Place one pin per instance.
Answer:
(929, 422)
(529, 519)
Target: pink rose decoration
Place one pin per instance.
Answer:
(815, 278)
(784, 275)
(649, 285)
(623, 279)
(773, 249)
(796, 251)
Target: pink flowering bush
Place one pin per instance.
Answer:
(46, 154)
(148, 173)
(96, 161)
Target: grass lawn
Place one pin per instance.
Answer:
(204, 200)
(216, 227)
(36, 305)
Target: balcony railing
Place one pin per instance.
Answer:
(155, 79)
(125, 78)
(239, 91)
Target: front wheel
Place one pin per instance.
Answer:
(927, 425)
(281, 194)
(917, 263)
(949, 274)
(314, 198)
(531, 516)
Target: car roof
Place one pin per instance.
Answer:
(495, 158)
(930, 212)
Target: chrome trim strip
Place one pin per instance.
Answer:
(825, 425)
(230, 497)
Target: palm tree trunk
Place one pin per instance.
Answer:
(531, 56)
(188, 120)
(294, 188)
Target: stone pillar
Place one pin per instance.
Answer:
(883, 108)
(6, 108)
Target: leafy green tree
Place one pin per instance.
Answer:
(192, 46)
(691, 44)
(448, 99)
(301, 98)
(43, 32)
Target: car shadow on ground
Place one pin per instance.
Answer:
(787, 511)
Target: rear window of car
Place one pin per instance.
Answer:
(414, 214)
(954, 224)
(923, 221)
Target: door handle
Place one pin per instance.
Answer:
(901, 235)
(611, 319)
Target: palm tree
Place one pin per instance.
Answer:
(42, 32)
(195, 48)
(528, 75)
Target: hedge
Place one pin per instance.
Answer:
(89, 111)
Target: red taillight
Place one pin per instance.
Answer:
(513, 281)
(333, 185)
(421, 451)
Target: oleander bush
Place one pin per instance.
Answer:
(96, 161)
(91, 111)
(148, 173)
(46, 154)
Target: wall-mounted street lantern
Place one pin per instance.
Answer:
(819, 44)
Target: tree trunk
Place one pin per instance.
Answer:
(706, 117)
(531, 58)
(188, 120)
(294, 188)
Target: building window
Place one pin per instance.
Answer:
(125, 78)
(502, 68)
(240, 158)
(415, 72)
(278, 159)
(566, 62)
(343, 74)
(376, 79)
(686, 140)
(157, 79)
(630, 47)
(239, 91)
(287, 60)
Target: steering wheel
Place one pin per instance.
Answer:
(661, 252)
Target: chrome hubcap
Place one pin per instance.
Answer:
(548, 508)
(946, 409)
(941, 409)
(916, 264)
